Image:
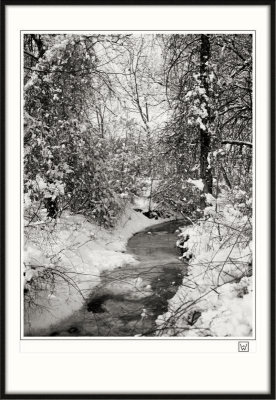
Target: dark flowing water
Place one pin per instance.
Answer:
(128, 299)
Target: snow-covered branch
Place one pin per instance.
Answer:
(237, 142)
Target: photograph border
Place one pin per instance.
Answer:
(270, 395)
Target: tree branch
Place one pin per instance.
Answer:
(31, 55)
(237, 142)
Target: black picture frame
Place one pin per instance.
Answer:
(133, 3)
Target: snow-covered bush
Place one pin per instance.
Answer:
(215, 298)
(174, 195)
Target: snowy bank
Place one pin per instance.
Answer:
(63, 261)
(216, 297)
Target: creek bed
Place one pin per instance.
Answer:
(128, 299)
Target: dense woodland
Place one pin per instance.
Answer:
(110, 117)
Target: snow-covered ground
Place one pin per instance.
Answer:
(216, 297)
(74, 252)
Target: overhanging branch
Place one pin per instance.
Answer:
(237, 142)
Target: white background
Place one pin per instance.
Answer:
(136, 366)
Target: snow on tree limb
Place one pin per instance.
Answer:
(237, 142)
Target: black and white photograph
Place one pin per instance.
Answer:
(137, 199)
(138, 180)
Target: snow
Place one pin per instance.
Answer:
(230, 314)
(82, 256)
(219, 284)
(197, 183)
(80, 250)
(200, 123)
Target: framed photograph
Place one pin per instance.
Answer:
(137, 201)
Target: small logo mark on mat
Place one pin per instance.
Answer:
(243, 347)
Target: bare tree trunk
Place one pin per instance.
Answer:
(39, 43)
(205, 169)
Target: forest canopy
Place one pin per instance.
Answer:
(102, 113)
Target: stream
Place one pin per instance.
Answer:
(128, 299)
